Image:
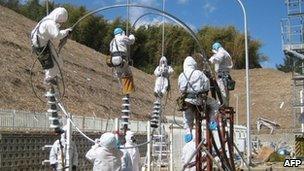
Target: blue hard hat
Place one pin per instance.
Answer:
(216, 46)
(117, 30)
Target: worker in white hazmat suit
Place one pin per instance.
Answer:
(42, 35)
(105, 153)
(188, 149)
(222, 65)
(133, 152)
(119, 49)
(59, 152)
(162, 73)
(126, 163)
(195, 84)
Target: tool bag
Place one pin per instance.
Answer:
(45, 57)
(181, 103)
(228, 81)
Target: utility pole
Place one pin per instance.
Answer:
(247, 84)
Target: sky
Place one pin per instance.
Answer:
(264, 17)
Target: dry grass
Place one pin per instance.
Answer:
(92, 89)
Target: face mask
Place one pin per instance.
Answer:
(214, 51)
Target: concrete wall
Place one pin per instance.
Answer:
(23, 150)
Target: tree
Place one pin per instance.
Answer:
(97, 33)
(12, 4)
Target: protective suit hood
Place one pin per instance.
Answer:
(163, 60)
(108, 140)
(63, 135)
(189, 63)
(59, 15)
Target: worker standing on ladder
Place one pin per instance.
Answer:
(162, 73)
(119, 59)
(59, 151)
(222, 64)
(195, 85)
(45, 31)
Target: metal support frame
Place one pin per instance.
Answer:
(149, 146)
(292, 31)
(198, 139)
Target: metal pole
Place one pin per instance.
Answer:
(302, 110)
(161, 138)
(69, 139)
(198, 139)
(247, 85)
(47, 6)
(116, 124)
(149, 147)
(171, 147)
(163, 30)
(237, 108)
(128, 18)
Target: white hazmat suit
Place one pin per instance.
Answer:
(47, 30)
(126, 163)
(222, 64)
(118, 48)
(162, 73)
(105, 155)
(133, 152)
(58, 149)
(194, 82)
(188, 149)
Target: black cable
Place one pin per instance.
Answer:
(60, 72)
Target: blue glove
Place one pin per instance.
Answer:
(188, 138)
(213, 125)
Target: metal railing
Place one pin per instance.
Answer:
(22, 120)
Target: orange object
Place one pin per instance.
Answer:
(128, 86)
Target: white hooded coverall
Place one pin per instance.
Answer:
(55, 153)
(133, 152)
(197, 83)
(126, 163)
(105, 155)
(188, 149)
(118, 49)
(162, 73)
(47, 30)
(222, 65)
(119, 45)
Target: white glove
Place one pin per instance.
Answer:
(69, 29)
(97, 140)
(132, 37)
(66, 31)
